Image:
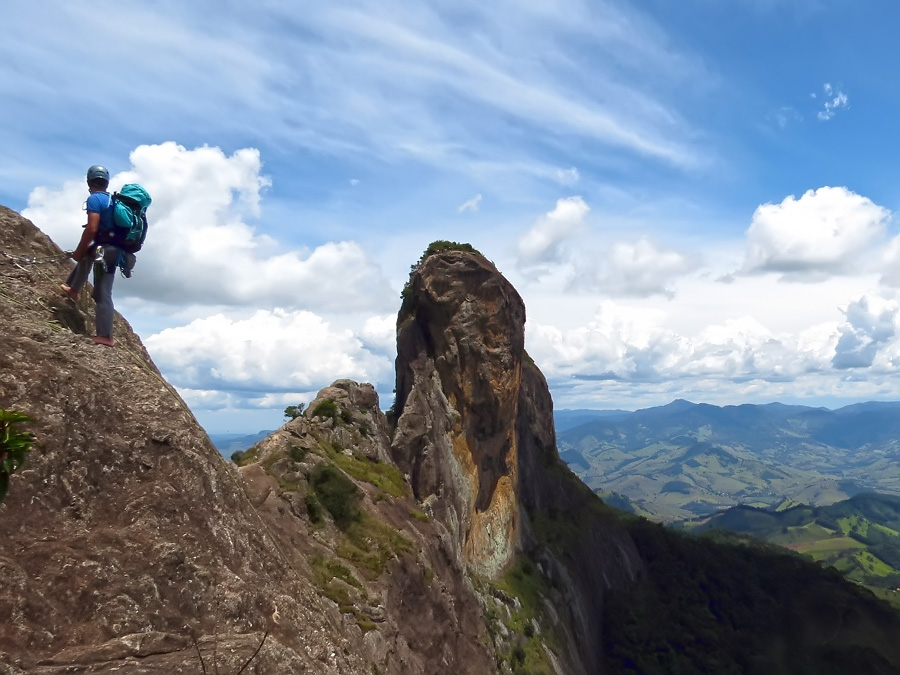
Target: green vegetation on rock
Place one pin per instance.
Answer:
(336, 582)
(337, 494)
(15, 444)
(370, 544)
(246, 457)
(386, 477)
(326, 409)
(435, 247)
(297, 454)
(720, 604)
(419, 515)
(525, 583)
(294, 411)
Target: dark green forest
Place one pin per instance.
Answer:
(725, 605)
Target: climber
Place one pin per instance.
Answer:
(103, 259)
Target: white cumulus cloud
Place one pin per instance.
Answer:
(627, 344)
(267, 353)
(638, 269)
(826, 231)
(870, 330)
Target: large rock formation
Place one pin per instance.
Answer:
(128, 537)
(475, 435)
(396, 578)
(460, 343)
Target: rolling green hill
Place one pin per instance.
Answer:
(860, 537)
(685, 459)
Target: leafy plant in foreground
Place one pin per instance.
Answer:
(15, 444)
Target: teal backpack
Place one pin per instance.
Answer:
(129, 207)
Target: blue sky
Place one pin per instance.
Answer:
(695, 199)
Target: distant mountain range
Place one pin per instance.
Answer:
(569, 419)
(687, 459)
(228, 444)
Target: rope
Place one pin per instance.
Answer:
(13, 259)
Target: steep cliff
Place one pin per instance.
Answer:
(583, 588)
(460, 341)
(475, 435)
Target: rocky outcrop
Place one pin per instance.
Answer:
(128, 539)
(460, 340)
(391, 570)
(475, 435)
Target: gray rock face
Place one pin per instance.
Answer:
(591, 552)
(127, 528)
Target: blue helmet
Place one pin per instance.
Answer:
(96, 172)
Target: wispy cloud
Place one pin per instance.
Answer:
(568, 176)
(835, 100)
(784, 117)
(372, 82)
(470, 205)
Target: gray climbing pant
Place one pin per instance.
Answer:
(104, 276)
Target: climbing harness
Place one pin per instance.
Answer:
(125, 262)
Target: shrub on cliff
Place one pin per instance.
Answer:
(325, 409)
(15, 444)
(336, 493)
